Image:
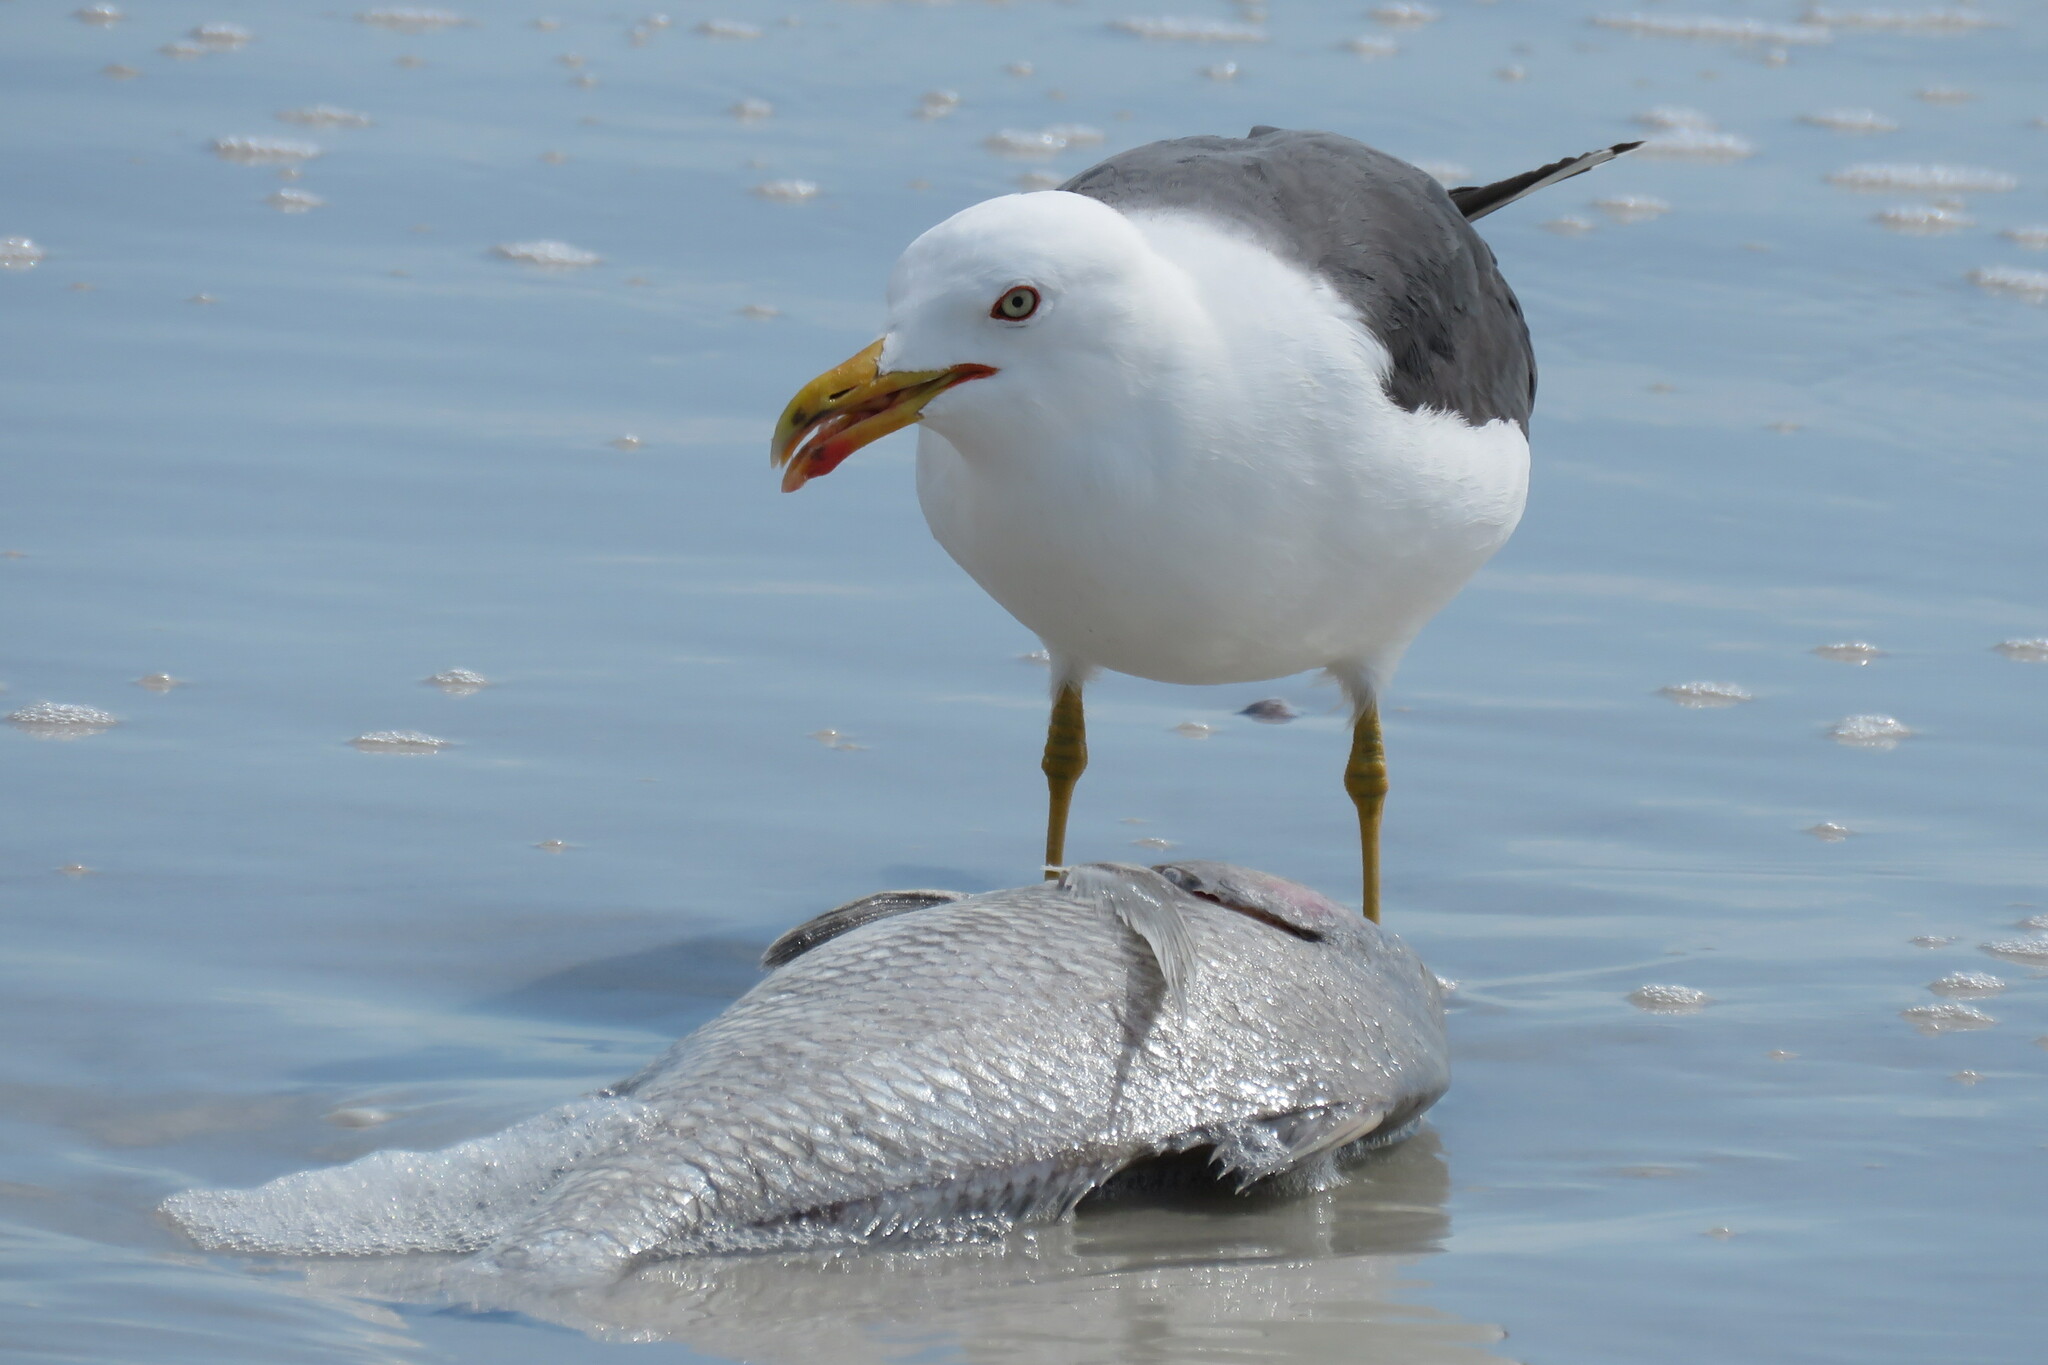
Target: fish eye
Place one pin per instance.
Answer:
(1017, 303)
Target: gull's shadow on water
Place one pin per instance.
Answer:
(1159, 1281)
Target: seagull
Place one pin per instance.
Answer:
(1217, 410)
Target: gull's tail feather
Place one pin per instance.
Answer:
(1476, 201)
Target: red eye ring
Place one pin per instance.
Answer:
(1017, 303)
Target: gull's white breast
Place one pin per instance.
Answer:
(1250, 504)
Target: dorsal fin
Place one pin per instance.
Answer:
(845, 918)
(1476, 201)
(1144, 901)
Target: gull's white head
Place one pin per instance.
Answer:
(1021, 311)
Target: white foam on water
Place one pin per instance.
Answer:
(1669, 999)
(1899, 175)
(409, 20)
(159, 682)
(2032, 238)
(1850, 652)
(458, 682)
(787, 191)
(1923, 220)
(1023, 142)
(1851, 121)
(1828, 832)
(2038, 923)
(1569, 225)
(1714, 28)
(1077, 134)
(324, 116)
(1672, 116)
(1697, 144)
(1706, 695)
(1403, 15)
(1633, 208)
(1900, 20)
(2032, 951)
(264, 151)
(294, 201)
(454, 1200)
(1169, 28)
(2031, 285)
(1932, 940)
(2033, 651)
(1194, 729)
(183, 51)
(751, 110)
(222, 37)
(398, 742)
(62, 720)
(1947, 1018)
(100, 15)
(20, 253)
(937, 104)
(1966, 985)
(1869, 732)
(547, 253)
(1371, 47)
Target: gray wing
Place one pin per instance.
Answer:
(1383, 233)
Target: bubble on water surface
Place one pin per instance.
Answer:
(294, 201)
(1633, 208)
(1194, 729)
(120, 71)
(728, 28)
(1037, 656)
(2032, 951)
(1706, 695)
(324, 116)
(76, 870)
(1923, 220)
(1153, 842)
(1669, 999)
(1697, 144)
(833, 739)
(759, 312)
(222, 37)
(2034, 651)
(398, 742)
(937, 104)
(408, 20)
(359, 1117)
(554, 845)
(264, 151)
(20, 253)
(458, 682)
(1944, 94)
(751, 110)
(101, 15)
(1778, 1054)
(182, 51)
(1932, 940)
(2031, 285)
(1270, 711)
(1371, 47)
(1714, 28)
(1869, 732)
(1966, 985)
(1828, 832)
(159, 682)
(787, 191)
(626, 442)
(1849, 652)
(547, 253)
(1512, 73)
(1672, 116)
(2032, 238)
(1851, 121)
(2035, 922)
(1570, 225)
(1947, 1018)
(1927, 177)
(62, 720)
(1222, 71)
(1720, 1234)
(1403, 15)
(1169, 28)
(1900, 20)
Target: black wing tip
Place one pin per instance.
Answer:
(1476, 201)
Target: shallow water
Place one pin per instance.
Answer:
(303, 460)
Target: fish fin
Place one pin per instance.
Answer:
(841, 919)
(1144, 901)
(390, 1202)
(1258, 1149)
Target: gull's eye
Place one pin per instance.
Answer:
(1016, 304)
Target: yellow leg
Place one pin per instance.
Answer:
(1365, 778)
(1066, 756)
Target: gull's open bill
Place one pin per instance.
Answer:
(851, 405)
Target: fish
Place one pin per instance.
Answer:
(926, 1066)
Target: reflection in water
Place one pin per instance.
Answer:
(1216, 1279)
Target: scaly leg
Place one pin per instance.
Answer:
(1365, 778)
(1066, 756)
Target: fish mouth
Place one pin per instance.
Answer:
(851, 405)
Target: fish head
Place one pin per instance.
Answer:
(1285, 905)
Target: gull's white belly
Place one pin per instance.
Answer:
(1204, 567)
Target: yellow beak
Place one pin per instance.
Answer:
(846, 407)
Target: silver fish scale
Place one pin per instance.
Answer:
(968, 1058)
(938, 1069)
